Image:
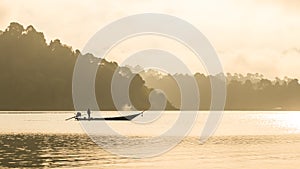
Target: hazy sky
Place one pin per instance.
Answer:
(250, 36)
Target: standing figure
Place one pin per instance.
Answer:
(89, 113)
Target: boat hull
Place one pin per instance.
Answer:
(120, 118)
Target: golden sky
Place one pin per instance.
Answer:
(250, 36)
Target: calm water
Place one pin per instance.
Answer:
(243, 140)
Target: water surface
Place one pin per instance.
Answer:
(243, 140)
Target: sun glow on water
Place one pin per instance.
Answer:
(287, 120)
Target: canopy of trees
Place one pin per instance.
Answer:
(250, 92)
(36, 75)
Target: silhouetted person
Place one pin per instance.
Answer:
(89, 113)
(77, 115)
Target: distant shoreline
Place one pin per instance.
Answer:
(72, 111)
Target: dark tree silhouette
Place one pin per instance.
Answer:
(38, 76)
